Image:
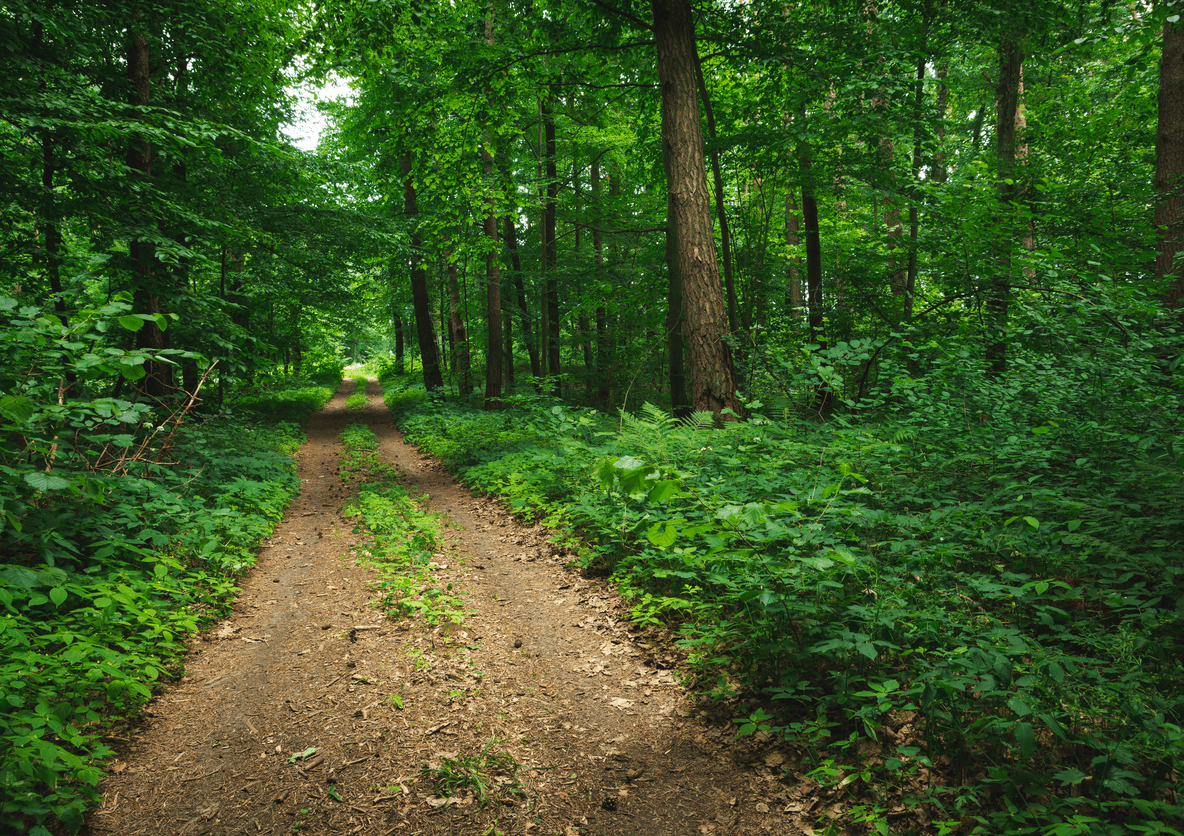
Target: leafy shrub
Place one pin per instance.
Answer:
(125, 529)
(1011, 584)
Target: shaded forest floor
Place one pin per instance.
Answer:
(606, 740)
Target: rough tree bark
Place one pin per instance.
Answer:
(1011, 60)
(1169, 163)
(680, 404)
(158, 378)
(705, 324)
(725, 234)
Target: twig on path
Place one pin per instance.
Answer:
(199, 777)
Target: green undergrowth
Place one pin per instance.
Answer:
(405, 537)
(107, 568)
(968, 597)
(488, 775)
(358, 400)
(285, 401)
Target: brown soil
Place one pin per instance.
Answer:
(606, 738)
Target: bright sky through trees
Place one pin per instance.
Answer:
(305, 132)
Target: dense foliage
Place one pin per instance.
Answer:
(125, 530)
(991, 599)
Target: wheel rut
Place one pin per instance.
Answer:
(606, 740)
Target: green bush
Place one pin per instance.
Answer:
(1013, 582)
(124, 530)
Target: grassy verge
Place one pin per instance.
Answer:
(405, 537)
(100, 590)
(981, 625)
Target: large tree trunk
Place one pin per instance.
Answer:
(158, 378)
(420, 298)
(1011, 59)
(680, 404)
(725, 235)
(1169, 162)
(705, 325)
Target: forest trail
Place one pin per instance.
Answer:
(606, 740)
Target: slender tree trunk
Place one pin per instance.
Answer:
(1169, 163)
(583, 324)
(1021, 157)
(940, 173)
(686, 182)
(420, 296)
(399, 347)
(793, 271)
(910, 285)
(493, 265)
(1011, 57)
(493, 302)
(511, 236)
(461, 359)
(603, 361)
(508, 332)
(550, 244)
(51, 232)
(813, 247)
(823, 396)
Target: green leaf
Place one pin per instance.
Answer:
(663, 490)
(867, 649)
(19, 577)
(1032, 521)
(1021, 708)
(132, 373)
(16, 407)
(1026, 738)
(1070, 777)
(662, 535)
(131, 322)
(41, 481)
(299, 756)
(58, 596)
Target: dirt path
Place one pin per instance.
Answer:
(603, 734)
